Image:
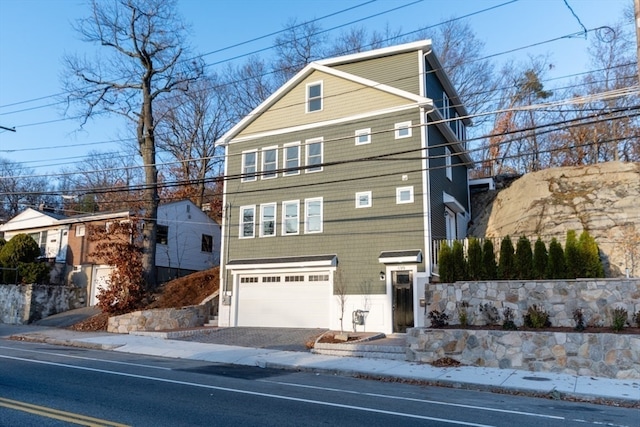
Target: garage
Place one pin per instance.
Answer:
(284, 300)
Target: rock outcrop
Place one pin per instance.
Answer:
(603, 199)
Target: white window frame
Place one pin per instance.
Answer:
(242, 223)
(263, 165)
(401, 190)
(399, 127)
(295, 203)
(447, 162)
(287, 170)
(307, 217)
(446, 105)
(263, 221)
(249, 176)
(310, 99)
(363, 132)
(369, 201)
(80, 230)
(308, 143)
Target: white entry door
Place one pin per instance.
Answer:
(100, 281)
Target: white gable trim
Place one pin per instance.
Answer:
(385, 51)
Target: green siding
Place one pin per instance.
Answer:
(400, 71)
(357, 236)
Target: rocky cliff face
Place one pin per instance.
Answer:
(603, 199)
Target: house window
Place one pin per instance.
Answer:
(270, 279)
(363, 136)
(447, 162)
(269, 162)
(313, 215)
(292, 159)
(206, 244)
(80, 230)
(290, 221)
(268, 220)
(249, 279)
(314, 155)
(249, 166)
(294, 278)
(403, 130)
(404, 195)
(314, 97)
(459, 128)
(41, 239)
(318, 277)
(363, 199)
(162, 234)
(445, 106)
(247, 221)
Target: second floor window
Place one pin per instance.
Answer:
(269, 162)
(313, 215)
(206, 244)
(162, 234)
(314, 155)
(292, 159)
(290, 221)
(268, 220)
(314, 97)
(447, 162)
(247, 221)
(249, 166)
(403, 130)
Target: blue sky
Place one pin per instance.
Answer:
(35, 34)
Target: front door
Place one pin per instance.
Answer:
(402, 289)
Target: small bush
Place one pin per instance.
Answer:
(463, 313)
(489, 265)
(506, 264)
(445, 264)
(524, 259)
(438, 319)
(618, 319)
(536, 317)
(459, 261)
(578, 316)
(490, 314)
(508, 323)
(573, 257)
(590, 255)
(34, 272)
(474, 254)
(556, 265)
(540, 260)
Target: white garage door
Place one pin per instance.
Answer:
(291, 300)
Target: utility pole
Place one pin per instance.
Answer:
(14, 129)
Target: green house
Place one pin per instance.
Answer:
(337, 187)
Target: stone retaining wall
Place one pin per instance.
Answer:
(580, 353)
(160, 319)
(23, 304)
(596, 297)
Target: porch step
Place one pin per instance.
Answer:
(368, 350)
(212, 323)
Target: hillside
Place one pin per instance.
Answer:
(603, 199)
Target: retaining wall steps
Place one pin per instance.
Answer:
(367, 349)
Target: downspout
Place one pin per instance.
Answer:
(425, 166)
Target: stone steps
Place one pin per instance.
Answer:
(212, 323)
(368, 350)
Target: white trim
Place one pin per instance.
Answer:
(452, 203)
(446, 105)
(332, 122)
(385, 51)
(426, 190)
(369, 199)
(284, 218)
(447, 163)
(275, 219)
(399, 127)
(400, 190)
(308, 99)
(274, 173)
(241, 222)
(310, 168)
(296, 171)
(363, 132)
(306, 215)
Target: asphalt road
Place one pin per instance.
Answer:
(43, 385)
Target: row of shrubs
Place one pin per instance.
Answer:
(19, 260)
(535, 317)
(579, 258)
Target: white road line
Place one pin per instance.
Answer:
(252, 393)
(412, 399)
(115, 362)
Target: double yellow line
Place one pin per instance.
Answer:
(58, 415)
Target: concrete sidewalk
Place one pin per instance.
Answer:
(543, 384)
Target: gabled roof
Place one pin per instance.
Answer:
(304, 73)
(31, 218)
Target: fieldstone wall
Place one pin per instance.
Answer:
(23, 304)
(596, 297)
(580, 353)
(160, 319)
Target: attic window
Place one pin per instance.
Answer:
(314, 97)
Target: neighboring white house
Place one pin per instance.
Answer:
(187, 241)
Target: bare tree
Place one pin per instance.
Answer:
(247, 85)
(298, 46)
(188, 126)
(20, 188)
(143, 58)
